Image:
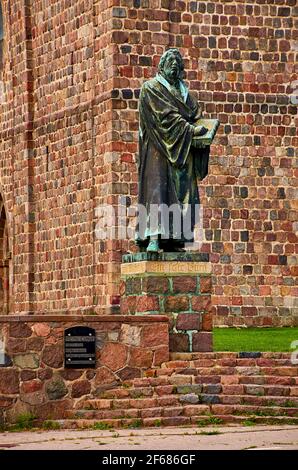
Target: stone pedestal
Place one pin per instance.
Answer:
(174, 284)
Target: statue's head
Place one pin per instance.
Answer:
(171, 66)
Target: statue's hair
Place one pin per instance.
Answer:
(165, 55)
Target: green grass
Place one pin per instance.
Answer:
(24, 422)
(50, 425)
(249, 422)
(99, 426)
(209, 421)
(254, 339)
(136, 423)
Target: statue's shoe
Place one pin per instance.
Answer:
(154, 247)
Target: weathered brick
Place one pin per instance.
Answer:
(140, 357)
(206, 285)
(155, 285)
(188, 321)
(179, 342)
(201, 303)
(147, 303)
(154, 337)
(178, 303)
(185, 284)
(202, 341)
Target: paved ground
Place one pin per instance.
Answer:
(229, 438)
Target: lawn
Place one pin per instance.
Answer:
(255, 339)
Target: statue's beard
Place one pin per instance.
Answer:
(172, 76)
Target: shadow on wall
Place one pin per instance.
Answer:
(1, 35)
(5, 256)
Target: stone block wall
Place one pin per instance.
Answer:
(69, 87)
(32, 374)
(177, 285)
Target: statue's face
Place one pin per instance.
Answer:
(172, 69)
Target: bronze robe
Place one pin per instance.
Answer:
(168, 164)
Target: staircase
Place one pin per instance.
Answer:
(198, 389)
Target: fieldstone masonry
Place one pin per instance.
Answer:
(33, 377)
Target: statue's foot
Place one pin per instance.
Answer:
(153, 247)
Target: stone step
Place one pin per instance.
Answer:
(188, 357)
(291, 402)
(198, 421)
(230, 396)
(230, 385)
(253, 410)
(257, 390)
(229, 362)
(277, 370)
(188, 410)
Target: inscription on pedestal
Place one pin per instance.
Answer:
(80, 348)
(165, 267)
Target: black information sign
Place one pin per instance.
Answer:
(79, 348)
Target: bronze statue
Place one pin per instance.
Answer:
(169, 161)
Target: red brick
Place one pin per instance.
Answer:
(233, 389)
(161, 354)
(229, 379)
(207, 321)
(202, 341)
(143, 403)
(153, 336)
(179, 342)
(155, 285)
(178, 303)
(176, 421)
(206, 285)
(147, 303)
(188, 321)
(201, 303)
(140, 357)
(185, 284)
(128, 305)
(167, 401)
(164, 390)
(150, 416)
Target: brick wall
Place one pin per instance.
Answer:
(68, 123)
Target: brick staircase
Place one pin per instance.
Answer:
(198, 389)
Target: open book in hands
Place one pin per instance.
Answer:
(205, 140)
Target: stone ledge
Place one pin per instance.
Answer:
(189, 256)
(85, 318)
(190, 356)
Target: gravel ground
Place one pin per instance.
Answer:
(205, 438)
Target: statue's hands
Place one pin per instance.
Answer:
(200, 130)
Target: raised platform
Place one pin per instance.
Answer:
(178, 285)
(33, 376)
